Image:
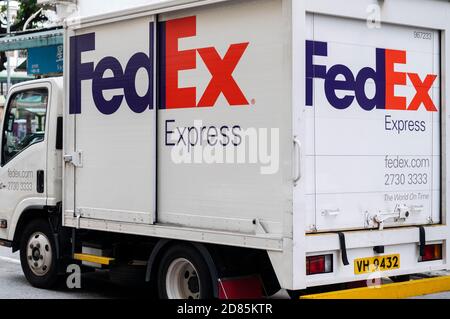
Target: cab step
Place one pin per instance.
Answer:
(95, 255)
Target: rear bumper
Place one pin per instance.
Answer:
(401, 290)
(360, 244)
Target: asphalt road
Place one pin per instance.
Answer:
(13, 285)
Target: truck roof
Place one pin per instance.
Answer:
(153, 5)
(58, 81)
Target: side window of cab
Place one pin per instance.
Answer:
(24, 122)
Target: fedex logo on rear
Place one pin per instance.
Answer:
(340, 78)
(171, 60)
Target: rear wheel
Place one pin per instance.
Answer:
(38, 254)
(183, 274)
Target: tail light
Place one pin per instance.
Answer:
(319, 264)
(432, 252)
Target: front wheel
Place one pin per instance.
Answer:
(183, 274)
(38, 254)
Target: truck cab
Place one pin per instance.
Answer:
(31, 165)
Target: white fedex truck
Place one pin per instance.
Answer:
(229, 148)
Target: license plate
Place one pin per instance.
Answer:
(375, 264)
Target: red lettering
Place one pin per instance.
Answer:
(422, 96)
(222, 75)
(221, 69)
(394, 78)
(179, 60)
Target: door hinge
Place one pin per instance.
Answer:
(76, 159)
(78, 215)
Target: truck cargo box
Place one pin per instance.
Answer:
(298, 127)
(373, 116)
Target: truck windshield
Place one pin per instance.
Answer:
(24, 122)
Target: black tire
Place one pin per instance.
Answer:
(50, 278)
(191, 255)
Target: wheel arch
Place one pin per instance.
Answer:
(164, 244)
(23, 208)
(29, 214)
(223, 262)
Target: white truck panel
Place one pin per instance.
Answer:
(116, 180)
(353, 19)
(87, 8)
(370, 161)
(226, 195)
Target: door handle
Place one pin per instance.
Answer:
(40, 185)
(2, 186)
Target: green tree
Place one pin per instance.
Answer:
(26, 9)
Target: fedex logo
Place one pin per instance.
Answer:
(171, 61)
(122, 78)
(340, 77)
(174, 61)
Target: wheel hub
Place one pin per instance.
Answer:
(36, 254)
(193, 285)
(182, 281)
(39, 254)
